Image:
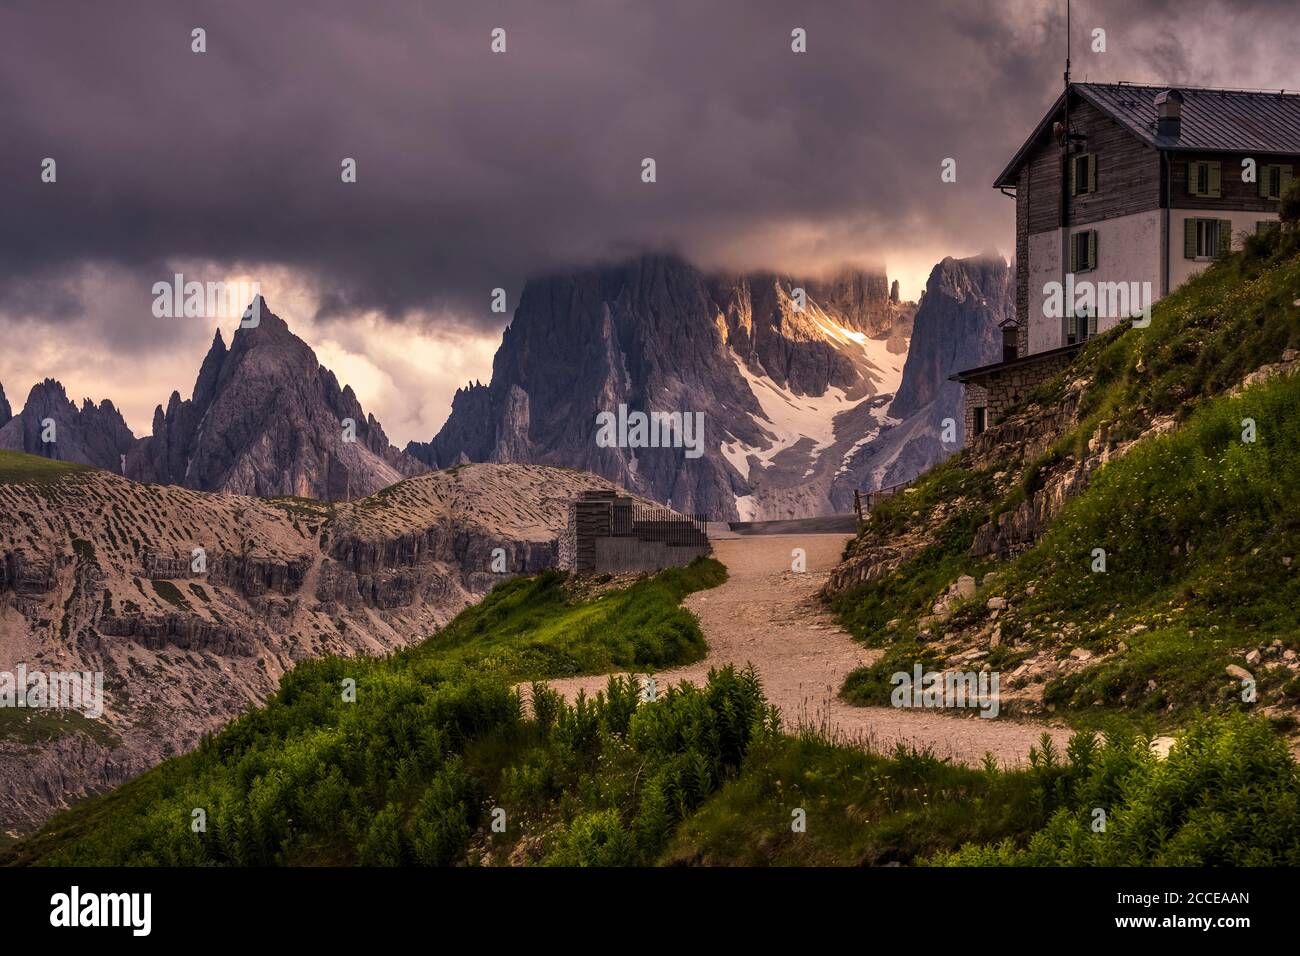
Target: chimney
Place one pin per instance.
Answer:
(1169, 114)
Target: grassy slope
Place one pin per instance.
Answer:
(1228, 795)
(15, 467)
(1196, 524)
(305, 778)
(414, 771)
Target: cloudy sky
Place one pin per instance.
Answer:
(477, 169)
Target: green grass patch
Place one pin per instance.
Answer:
(34, 726)
(19, 468)
(172, 595)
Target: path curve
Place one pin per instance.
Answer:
(770, 616)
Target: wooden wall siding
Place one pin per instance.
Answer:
(1234, 193)
(1044, 199)
(1128, 171)
(1022, 259)
(1128, 174)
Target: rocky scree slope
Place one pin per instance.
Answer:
(97, 573)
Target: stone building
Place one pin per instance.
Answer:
(612, 533)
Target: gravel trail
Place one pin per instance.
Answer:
(767, 615)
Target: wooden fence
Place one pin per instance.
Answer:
(864, 501)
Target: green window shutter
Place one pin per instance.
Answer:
(1193, 179)
(1265, 181)
(1216, 181)
(1189, 238)
(1225, 237)
(1284, 177)
(1092, 323)
(1092, 248)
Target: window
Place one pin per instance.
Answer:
(1083, 251)
(1266, 225)
(1083, 174)
(1206, 238)
(1081, 326)
(1204, 179)
(981, 420)
(1273, 181)
(1010, 342)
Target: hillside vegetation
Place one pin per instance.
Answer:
(1170, 549)
(193, 604)
(437, 762)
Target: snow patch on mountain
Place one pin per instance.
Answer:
(789, 418)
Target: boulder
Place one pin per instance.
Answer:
(1236, 672)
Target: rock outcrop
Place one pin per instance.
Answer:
(955, 328)
(265, 418)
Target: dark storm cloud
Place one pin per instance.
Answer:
(476, 169)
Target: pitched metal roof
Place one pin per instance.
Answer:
(1227, 120)
(1267, 123)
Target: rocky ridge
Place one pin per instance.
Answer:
(265, 418)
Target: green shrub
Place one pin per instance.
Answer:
(1227, 795)
(594, 839)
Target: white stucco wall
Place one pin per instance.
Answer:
(1128, 250)
(1182, 269)
(1044, 267)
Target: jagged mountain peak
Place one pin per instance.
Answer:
(267, 419)
(654, 333)
(90, 434)
(955, 327)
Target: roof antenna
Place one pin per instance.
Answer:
(1067, 44)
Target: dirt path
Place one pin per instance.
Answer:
(770, 616)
